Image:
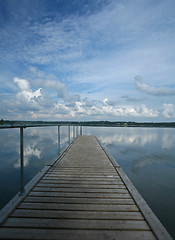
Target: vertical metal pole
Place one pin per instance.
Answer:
(69, 134)
(21, 161)
(73, 132)
(59, 150)
(77, 131)
(81, 130)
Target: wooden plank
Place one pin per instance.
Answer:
(77, 224)
(80, 177)
(80, 200)
(89, 182)
(75, 178)
(79, 207)
(58, 214)
(80, 195)
(80, 185)
(76, 164)
(55, 234)
(77, 168)
(83, 181)
(81, 190)
(82, 173)
(81, 170)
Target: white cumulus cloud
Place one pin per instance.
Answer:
(26, 98)
(23, 84)
(168, 110)
(38, 104)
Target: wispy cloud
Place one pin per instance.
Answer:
(161, 91)
(133, 98)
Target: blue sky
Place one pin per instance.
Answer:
(87, 60)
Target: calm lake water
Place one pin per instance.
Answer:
(147, 155)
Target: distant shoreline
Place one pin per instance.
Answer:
(93, 123)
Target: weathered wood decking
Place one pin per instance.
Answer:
(84, 195)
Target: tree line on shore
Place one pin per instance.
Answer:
(92, 123)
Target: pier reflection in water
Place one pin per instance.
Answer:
(145, 154)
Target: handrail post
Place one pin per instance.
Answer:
(77, 131)
(81, 130)
(73, 132)
(59, 140)
(69, 134)
(22, 161)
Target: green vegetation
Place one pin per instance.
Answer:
(93, 123)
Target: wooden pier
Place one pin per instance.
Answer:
(83, 195)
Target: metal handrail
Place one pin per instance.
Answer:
(28, 125)
(22, 127)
